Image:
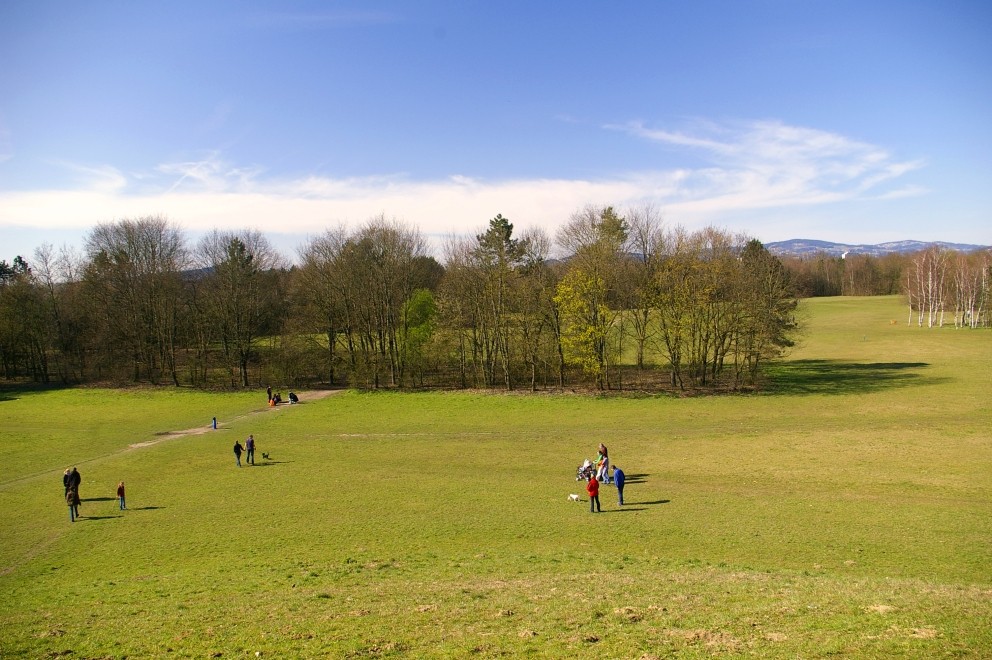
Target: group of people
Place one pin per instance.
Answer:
(71, 479)
(602, 475)
(248, 449)
(276, 399)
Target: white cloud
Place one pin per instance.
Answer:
(749, 167)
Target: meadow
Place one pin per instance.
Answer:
(844, 510)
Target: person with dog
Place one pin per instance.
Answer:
(237, 451)
(250, 450)
(592, 488)
(618, 479)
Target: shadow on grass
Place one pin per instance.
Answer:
(18, 390)
(623, 509)
(838, 377)
(144, 508)
(97, 499)
(634, 478)
(267, 463)
(96, 518)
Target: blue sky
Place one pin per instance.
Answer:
(856, 122)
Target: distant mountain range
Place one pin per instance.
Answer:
(801, 247)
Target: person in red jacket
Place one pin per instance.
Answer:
(592, 487)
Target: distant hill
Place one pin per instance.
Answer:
(800, 247)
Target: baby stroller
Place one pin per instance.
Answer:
(584, 471)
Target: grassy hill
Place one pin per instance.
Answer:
(844, 510)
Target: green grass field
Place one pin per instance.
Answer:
(844, 511)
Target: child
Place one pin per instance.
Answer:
(120, 495)
(592, 487)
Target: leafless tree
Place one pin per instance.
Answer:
(240, 298)
(133, 282)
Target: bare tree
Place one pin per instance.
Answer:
(25, 328)
(926, 286)
(646, 245)
(539, 322)
(57, 275)
(133, 281)
(328, 300)
(970, 283)
(239, 302)
(385, 264)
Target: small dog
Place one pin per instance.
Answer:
(265, 456)
(573, 497)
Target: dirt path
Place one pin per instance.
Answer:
(305, 397)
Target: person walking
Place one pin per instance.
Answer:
(250, 450)
(237, 451)
(74, 480)
(618, 479)
(65, 479)
(72, 500)
(592, 488)
(268, 390)
(120, 495)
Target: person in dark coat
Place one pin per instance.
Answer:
(72, 500)
(250, 450)
(74, 480)
(65, 479)
(237, 451)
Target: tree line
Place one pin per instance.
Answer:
(613, 301)
(821, 274)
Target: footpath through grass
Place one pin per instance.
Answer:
(844, 511)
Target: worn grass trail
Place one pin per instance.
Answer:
(843, 511)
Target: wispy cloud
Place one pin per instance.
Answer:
(103, 179)
(769, 164)
(210, 173)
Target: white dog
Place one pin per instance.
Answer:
(573, 497)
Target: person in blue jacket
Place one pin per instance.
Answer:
(618, 479)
